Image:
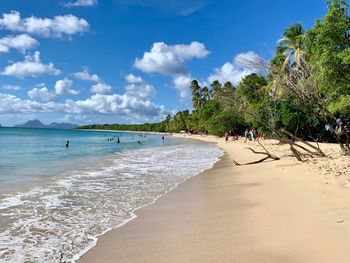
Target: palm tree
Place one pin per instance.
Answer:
(199, 95)
(205, 94)
(292, 44)
(215, 89)
(195, 86)
(228, 87)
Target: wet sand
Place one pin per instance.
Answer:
(277, 211)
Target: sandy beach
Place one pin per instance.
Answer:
(276, 211)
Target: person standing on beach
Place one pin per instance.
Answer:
(246, 135)
(255, 135)
(226, 137)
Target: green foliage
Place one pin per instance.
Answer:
(179, 122)
(252, 88)
(224, 121)
(328, 48)
(150, 127)
(292, 44)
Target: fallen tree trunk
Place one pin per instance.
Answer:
(267, 153)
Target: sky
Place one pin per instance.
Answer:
(130, 61)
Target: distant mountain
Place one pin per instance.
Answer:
(39, 124)
(31, 124)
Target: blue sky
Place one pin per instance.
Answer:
(129, 61)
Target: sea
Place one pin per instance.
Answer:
(55, 201)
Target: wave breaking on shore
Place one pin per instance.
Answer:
(62, 220)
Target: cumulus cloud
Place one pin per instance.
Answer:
(78, 3)
(243, 64)
(58, 26)
(11, 87)
(85, 75)
(64, 86)
(114, 104)
(131, 78)
(182, 84)
(41, 93)
(101, 88)
(21, 42)
(12, 104)
(141, 90)
(169, 59)
(30, 67)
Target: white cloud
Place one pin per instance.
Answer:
(141, 90)
(169, 60)
(65, 86)
(101, 88)
(81, 3)
(182, 84)
(228, 72)
(21, 42)
(243, 64)
(30, 67)
(114, 104)
(11, 87)
(131, 78)
(12, 104)
(85, 75)
(46, 27)
(42, 94)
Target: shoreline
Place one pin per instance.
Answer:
(115, 198)
(134, 215)
(279, 211)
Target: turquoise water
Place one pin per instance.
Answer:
(29, 155)
(55, 202)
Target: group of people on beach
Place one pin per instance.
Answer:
(249, 134)
(253, 134)
(230, 134)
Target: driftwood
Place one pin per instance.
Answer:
(267, 153)
(296, 154)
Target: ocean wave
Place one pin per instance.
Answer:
(63, 219)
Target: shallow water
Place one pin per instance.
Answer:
(55, 207)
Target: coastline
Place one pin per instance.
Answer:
(272, 212)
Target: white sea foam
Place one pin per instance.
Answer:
(61, 221)
(10, 201)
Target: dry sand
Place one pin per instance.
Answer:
(277, 211)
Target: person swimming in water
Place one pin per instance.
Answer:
(118, 141)
(162, 138)
(139, 142)
(67, 144)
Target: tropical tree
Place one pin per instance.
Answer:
(197, 95)
(215, 88)
(292, 44)
(328, 44)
